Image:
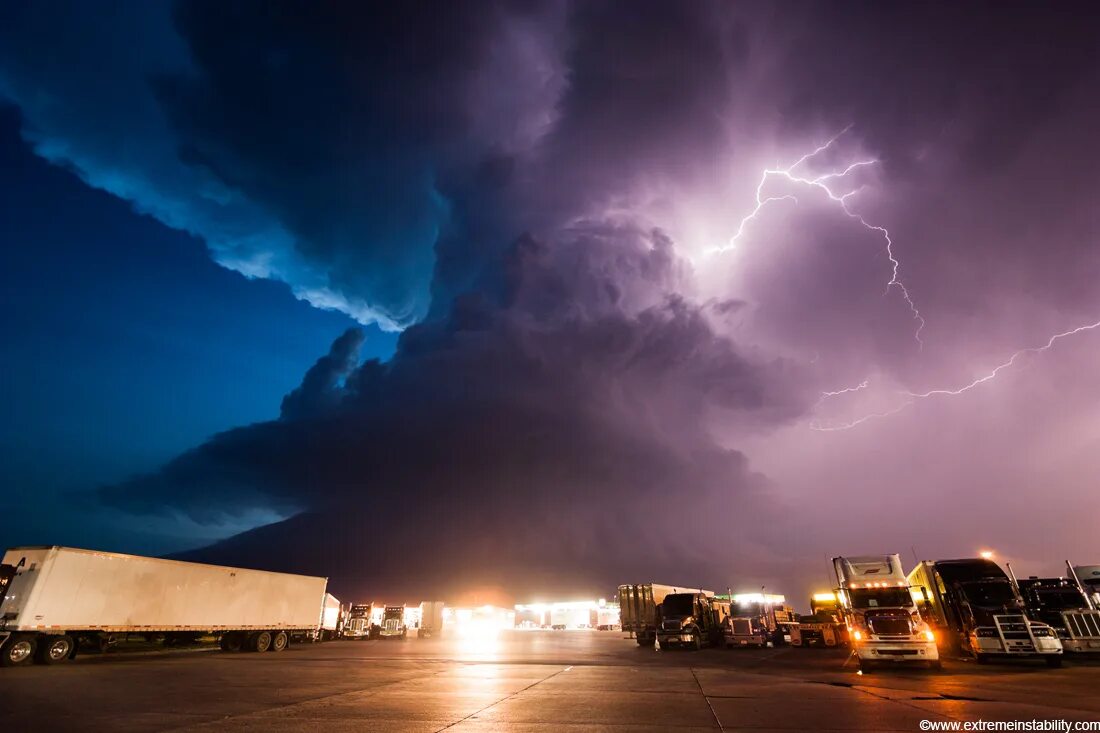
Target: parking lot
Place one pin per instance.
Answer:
(528, 681)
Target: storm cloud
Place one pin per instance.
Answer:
(593, 382)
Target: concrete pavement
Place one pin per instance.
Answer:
(527, 681)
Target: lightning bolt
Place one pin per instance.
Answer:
(913, 397)
(820, 182)
(826, 395)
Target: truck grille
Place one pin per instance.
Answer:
(742, 627)
(1082, 623)
(889, 626)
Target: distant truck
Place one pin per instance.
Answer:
(393, 623)
(689, 620)
(1089, 577)
(824, 626)
(431, 619)
(56, 599)
(884, 622)
(638, 609)
(976, 610)
(358, 624)
(758, 620)
(1064, 604)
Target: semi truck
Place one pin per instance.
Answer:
(393, 623)
(638, 609)
(431, 619)
(757, 619)
(358, 624)
(689, 620)
(824, 626)
(976, 610)
(883, 621)
(1064, 605)
(57, 599)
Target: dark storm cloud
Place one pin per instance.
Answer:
(508, 430)
(571, 406)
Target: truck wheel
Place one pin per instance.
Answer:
(1054, 661)
(260, 641)
(18, 650)
(981, 658)
(279, 641)
(697, 643)
(55, 649)
(936, 665)
(231, 641)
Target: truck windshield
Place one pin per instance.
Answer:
(881, 598)
(989, 594)
(1060, 599)
(678, 604)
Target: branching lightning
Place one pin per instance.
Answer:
(842, 199)
(913, 397)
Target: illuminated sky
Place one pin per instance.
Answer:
(550, 294)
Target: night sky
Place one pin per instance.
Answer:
(535, 298)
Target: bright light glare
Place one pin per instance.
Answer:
(987, 554)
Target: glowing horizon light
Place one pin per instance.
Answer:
(986, 554)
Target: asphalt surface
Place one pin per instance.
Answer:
(528, 681)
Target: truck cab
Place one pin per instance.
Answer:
(758, 620)
(824, 626)
(393, 623)
(978, 611)
(687, 620)
(358, 622)
(883, 620)
(1061, 603)
(1089, 577)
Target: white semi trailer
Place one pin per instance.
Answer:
(56, 597)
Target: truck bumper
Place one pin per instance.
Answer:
(1081, 646)
(1044, 647)
(898, 651)
(664, 638)
(745, 640)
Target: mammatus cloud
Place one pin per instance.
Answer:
(580, 395)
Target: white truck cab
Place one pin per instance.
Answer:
(884, 622)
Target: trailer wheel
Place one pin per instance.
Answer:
(18, 650)
(279, 641)
(1054, 662)
(260, 641)
(231, 641)
(54, 649)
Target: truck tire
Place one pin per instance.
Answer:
(259, 641)
(18, 650)
(54, 649)
(1054, 662)
(231, 641)
(936, 665)
(279, 641)
(981, 658)
(697, 642)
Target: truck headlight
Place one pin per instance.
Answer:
(929, 635)
(1044, 631)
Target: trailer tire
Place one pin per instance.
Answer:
(259, 641)
(1054, 662)
(279, 641)
(231, 641)
(18, 650)
(55, 649)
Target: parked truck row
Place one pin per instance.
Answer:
(968, 607)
